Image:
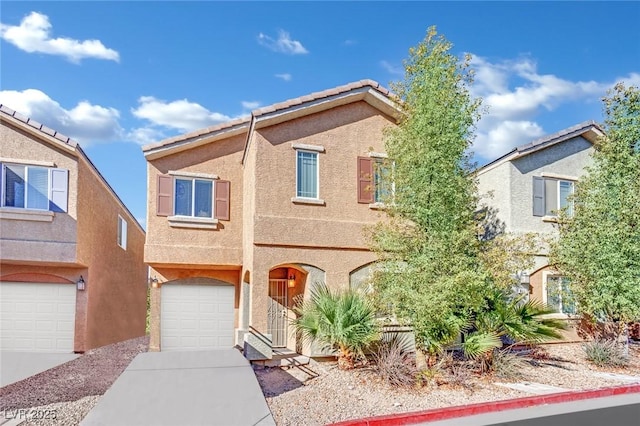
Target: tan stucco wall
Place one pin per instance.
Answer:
(198, 246)
(32, 241)
(116, 278)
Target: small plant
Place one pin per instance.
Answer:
(342, 321)
(395, 365)
(605, 353)
(507, 365)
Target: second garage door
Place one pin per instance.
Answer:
(196, 317)
(37, 317)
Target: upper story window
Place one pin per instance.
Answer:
(122, 232)
(193, 197)
(375, 182)
(551, 195)
(34, 187)
(307, 175)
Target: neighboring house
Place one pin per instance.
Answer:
(245, 217)
(528, 186)
(72, 275)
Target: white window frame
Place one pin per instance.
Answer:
(573, 188)
(122, 234)
(545, 276)
(316, 153)
(379, 159)
(26, 186)
(193, 178)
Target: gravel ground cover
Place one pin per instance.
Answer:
(65, 394)
(296, 398)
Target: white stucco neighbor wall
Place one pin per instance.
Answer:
(568, 159)
(511, 183)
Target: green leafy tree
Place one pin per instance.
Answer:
(599, 246)
(342, 321)
(432, 275)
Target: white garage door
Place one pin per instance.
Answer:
(196, 317)
(37, 317)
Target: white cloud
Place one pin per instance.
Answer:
(515, 93)
(392, 69)
(180, 115)
(284, 76)
(350, 42)
(146, 135)
(283, 44)
(33, 35)
(250, 104)
(85, 122)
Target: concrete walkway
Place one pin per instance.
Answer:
(16, 366)
(184, 388)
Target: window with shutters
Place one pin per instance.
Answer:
(193, 198)
(34, 187)
(550, 195)
(375, 180)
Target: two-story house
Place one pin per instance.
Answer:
(529, 185)
(245, 217)
(72, 275)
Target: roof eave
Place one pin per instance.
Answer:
(367, 94)
(155, 152)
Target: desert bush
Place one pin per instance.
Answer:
(507, 365)
(605, 353)
(394, 364)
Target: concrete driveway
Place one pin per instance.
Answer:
(184, 388)
(16, 366)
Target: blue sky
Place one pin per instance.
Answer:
(117, 75)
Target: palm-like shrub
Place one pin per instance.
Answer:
(511, 321)
(342, 321)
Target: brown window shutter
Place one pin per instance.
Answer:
(365, 180)
(164, 202)
(223, 194)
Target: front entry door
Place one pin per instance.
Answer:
(277, 316)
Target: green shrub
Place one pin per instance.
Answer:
(605, 353)
(340, 321)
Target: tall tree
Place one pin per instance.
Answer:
(599, 247)
(432, 275)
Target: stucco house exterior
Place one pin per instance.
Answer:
(528, 185)
(246, 216)
(72, 275)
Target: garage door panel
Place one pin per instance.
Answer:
(196, 317)
(37, 317)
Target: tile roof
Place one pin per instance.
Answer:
(197, 133)
(321, 95)
(558, 136)
(38, 126)
(544, 142)
(280, 106)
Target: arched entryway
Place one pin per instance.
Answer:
(286, 290)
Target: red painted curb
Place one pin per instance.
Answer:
(488, 407)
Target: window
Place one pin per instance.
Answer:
(194, 197)
(191, 197)
(375, 183)
(551, 195)
(34, 187)
(122, 232)
(558, 295)
(307, 174)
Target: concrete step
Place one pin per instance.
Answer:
(287, 361)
